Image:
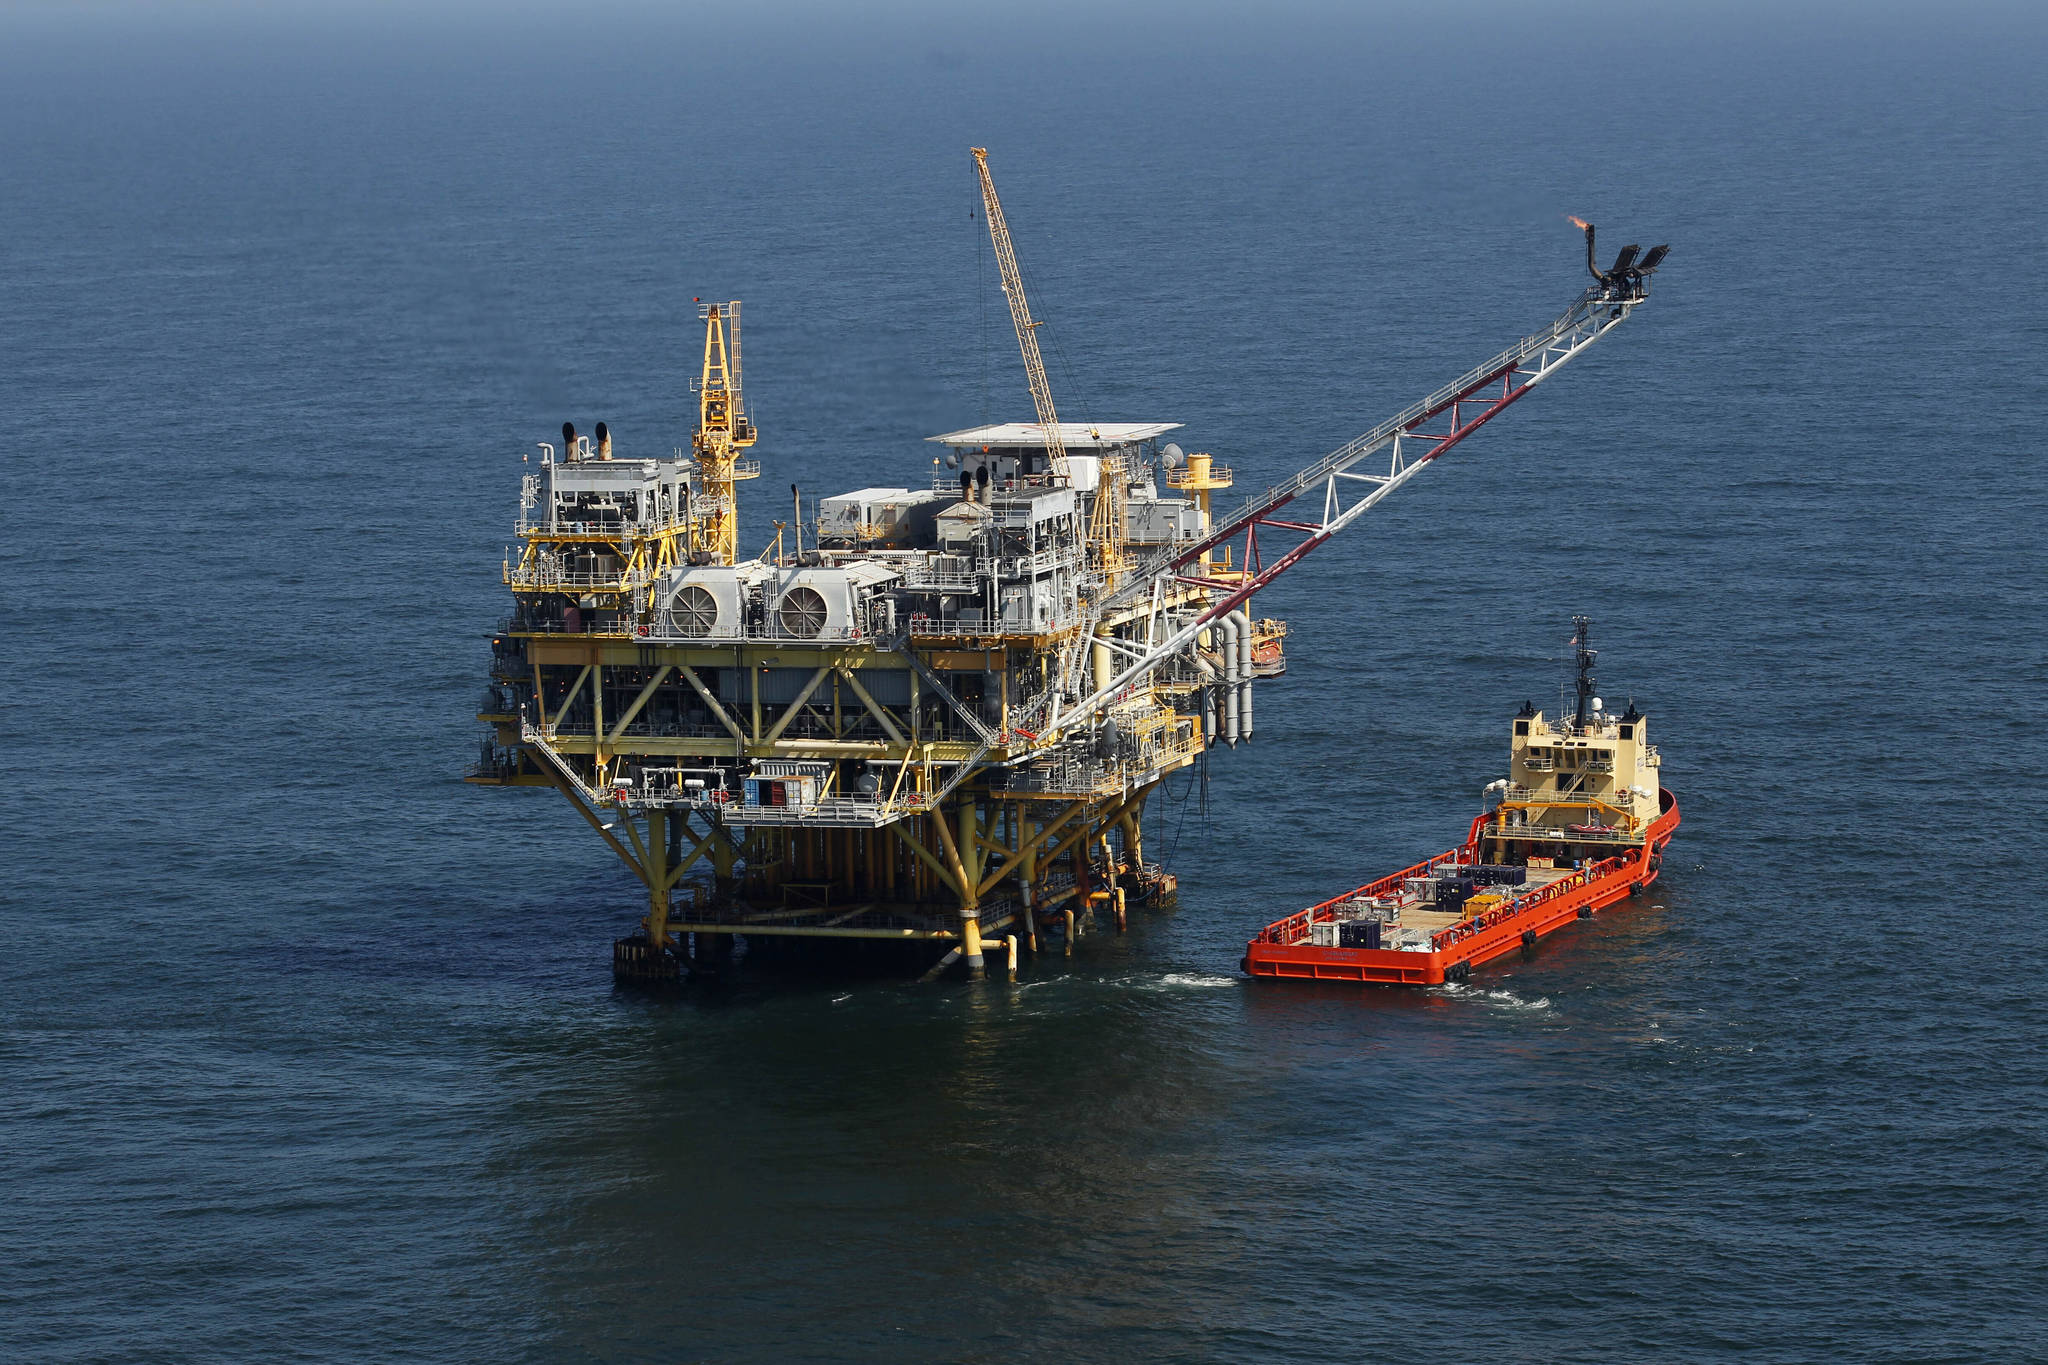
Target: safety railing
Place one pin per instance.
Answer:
(984, 567)
(852, 811)
(663, 630)
(554, 625)
(549, 576)
(1292, 930)
(1506, 910)
(948, 481)
(1545, 796)
(925, 576)
(496, 764)
(619, 527)
(1066, 774)
(922, 625)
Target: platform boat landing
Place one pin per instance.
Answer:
(1580, 822)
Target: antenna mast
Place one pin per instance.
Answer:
(1582, 635)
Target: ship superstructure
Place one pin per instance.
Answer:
(1584, 780)
(930, 713)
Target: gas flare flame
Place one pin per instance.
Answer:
(1579, 223)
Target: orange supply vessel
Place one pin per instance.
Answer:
(1580, 822)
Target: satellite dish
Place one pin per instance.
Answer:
(953, 460)
(1171, 456)
(1598, 704)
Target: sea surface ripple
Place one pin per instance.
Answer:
(310, 1052)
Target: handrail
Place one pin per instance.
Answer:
(1507, 910)
(1519, 795)
(542, 576)
(1295, 927)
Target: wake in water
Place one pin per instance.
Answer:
(1202, 980)
(1502, 999)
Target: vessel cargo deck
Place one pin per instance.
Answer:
(1431, 947)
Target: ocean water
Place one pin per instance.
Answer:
(308, 1051)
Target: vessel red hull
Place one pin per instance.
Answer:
(1275, 953)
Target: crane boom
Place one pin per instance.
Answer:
(1455, 411)
(1020, 317)
(722, 431)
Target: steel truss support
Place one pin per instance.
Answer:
(1410, 442)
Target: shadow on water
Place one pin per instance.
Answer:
(942, 1130)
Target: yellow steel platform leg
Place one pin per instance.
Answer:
(970, 933)
(657, 881)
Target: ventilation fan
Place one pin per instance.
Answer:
(695, 611)
(802, 613)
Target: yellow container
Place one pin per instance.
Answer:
(1485, 901)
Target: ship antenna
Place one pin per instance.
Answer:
(1582, 634)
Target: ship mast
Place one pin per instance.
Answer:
(1582, 635)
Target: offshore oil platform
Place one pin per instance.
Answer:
(933, 717)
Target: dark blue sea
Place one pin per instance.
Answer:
(311, 1052)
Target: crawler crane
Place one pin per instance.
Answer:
(935, 728)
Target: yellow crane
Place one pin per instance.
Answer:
(722, 432)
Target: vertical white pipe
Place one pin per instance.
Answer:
(1230, 652)
(1244, 674)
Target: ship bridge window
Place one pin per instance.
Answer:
(1521, 727)
(1628, 732)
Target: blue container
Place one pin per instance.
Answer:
(1359, 934)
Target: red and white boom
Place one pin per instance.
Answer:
(1408, 443)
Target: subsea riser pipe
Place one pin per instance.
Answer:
(1229, 627)
(1244, 673)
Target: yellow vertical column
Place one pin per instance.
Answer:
(1029, 878)
(597, 713)
(968, 857)
(657, 880)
